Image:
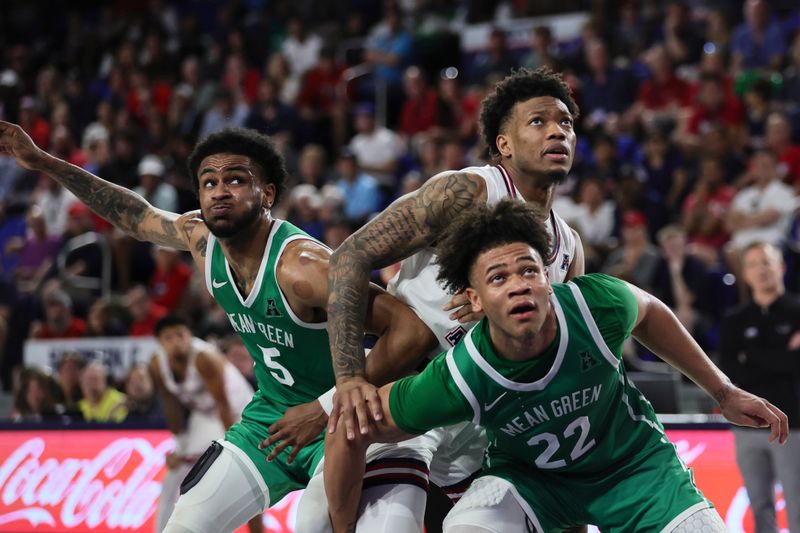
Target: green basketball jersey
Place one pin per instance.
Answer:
(582, 416)
(292, 357)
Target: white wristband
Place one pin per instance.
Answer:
(326, 401)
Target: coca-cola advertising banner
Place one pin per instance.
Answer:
(84, 480)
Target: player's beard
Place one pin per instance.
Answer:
(233, 227)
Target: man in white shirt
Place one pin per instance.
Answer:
(761, 212)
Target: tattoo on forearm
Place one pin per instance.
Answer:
(121, 207)
(402, 229)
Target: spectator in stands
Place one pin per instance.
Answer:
(605, 90)
(236, 352)
(36, 252)
(95, 145)
(54, 202)
(663, 93)
(705, 211)
(388, 50)
(683, 41)
(100, 402)
(419, 113)
(122, 167)
(301, 47)
(377, 148)
(287, 87)
(34, 401)
(141, 400)
(495, 63)
(541, 49)
(336, 231)
(240, 79)
(760, 352)
(152, 186)
(202, 87)
(718, 32)
(144, 312)
(361, 192)
(457, 112)
(758, 43)
(68, 375)
(664, 178)
(791, 76)
(593, 217)
(759, 213)
(713, 105)
(682, 282)
(636, 260)
(33, 123)
(59, 322)
(63, 146)
(101, 323)
(269, 115)
(321, 101)
(778, 140)
(303, 209)
(757, 105)
(226, 112)
(170, 278)
(312, 166)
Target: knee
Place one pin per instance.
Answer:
(312, 511)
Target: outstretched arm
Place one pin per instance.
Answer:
(406, 226)
(659, 330)
(345, 463)
(123, 208)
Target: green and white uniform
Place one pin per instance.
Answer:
(576, 439)
(292, 358)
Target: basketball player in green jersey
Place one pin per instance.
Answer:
(271, 280)
(572, 441)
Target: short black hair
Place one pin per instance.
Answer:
(246, 142)
(519, 86)
(170, 320)
(485, 227)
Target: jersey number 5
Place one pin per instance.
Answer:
(580, 448)
(279, 372)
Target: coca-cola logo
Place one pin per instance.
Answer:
(115, 489)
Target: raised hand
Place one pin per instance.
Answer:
(18, 144)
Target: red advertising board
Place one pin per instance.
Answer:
(83, 480)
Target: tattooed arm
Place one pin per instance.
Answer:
(120, 206)
(408, 225)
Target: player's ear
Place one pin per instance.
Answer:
(474, 300)
(503, 144)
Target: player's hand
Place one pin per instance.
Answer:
(462, 309)
(745, 409)
(172, 460)
(298, 426)
(18, 144)
(354, 402)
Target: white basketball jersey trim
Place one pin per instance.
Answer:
(537, 385)
(294, 317)
(592, 325)
(462, 385)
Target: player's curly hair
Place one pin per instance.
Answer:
(246, 142)
(479, 229)
(519, 86)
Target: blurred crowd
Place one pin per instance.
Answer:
(688, 146)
